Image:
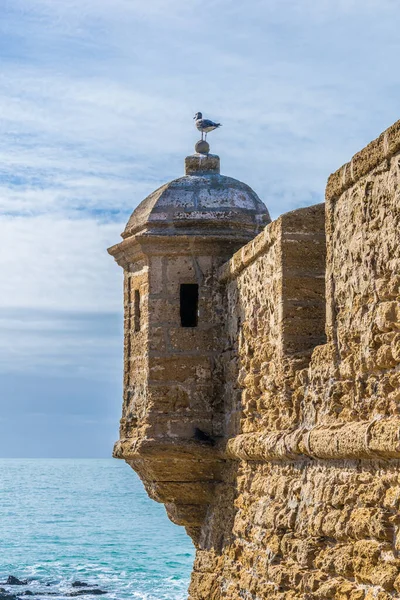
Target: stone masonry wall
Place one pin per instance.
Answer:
(274, 296)
(135, 348)
(172, 405)
(181, 390)
(182, 398)
(308, 502)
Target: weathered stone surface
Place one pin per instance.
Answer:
(272, 429)
(202, 200)
(172, 410)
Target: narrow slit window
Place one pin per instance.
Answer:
(136, 310)
(189, 308)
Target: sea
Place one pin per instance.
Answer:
(88, 521)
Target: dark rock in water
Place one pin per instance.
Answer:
(4, 595)
(93, 592)
(11, 580)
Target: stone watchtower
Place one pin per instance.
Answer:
(172, 247)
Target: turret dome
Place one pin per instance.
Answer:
(202, 201)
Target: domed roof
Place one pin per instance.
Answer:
(201, 200)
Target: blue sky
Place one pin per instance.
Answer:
(96, 106)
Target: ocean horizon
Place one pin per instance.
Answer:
(88, 520)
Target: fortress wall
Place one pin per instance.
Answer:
(309, 502)
(271, 431)
(363, 276)
(302, 530)
(251, 299)
(275, 302)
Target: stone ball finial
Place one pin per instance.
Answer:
(202, 147)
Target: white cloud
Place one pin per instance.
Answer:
(59, 264)
(96, 100)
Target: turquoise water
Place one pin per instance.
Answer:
(89, 520)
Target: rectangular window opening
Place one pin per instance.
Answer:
(136, 310)
(189, 306)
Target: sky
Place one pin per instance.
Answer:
(96, 106)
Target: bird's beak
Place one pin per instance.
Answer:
(194, 117)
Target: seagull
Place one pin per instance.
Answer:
(204, 125)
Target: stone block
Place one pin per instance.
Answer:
(157, 337)
(181, 269)
(168, 398)
(192, 340)
(164, 312)
(180, 369)
(368, 158)
(156, 275)
(393, 139)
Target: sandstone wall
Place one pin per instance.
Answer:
(181, 393)
(273, 296)
(135, 347)
(308, 503)
(172, 410)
